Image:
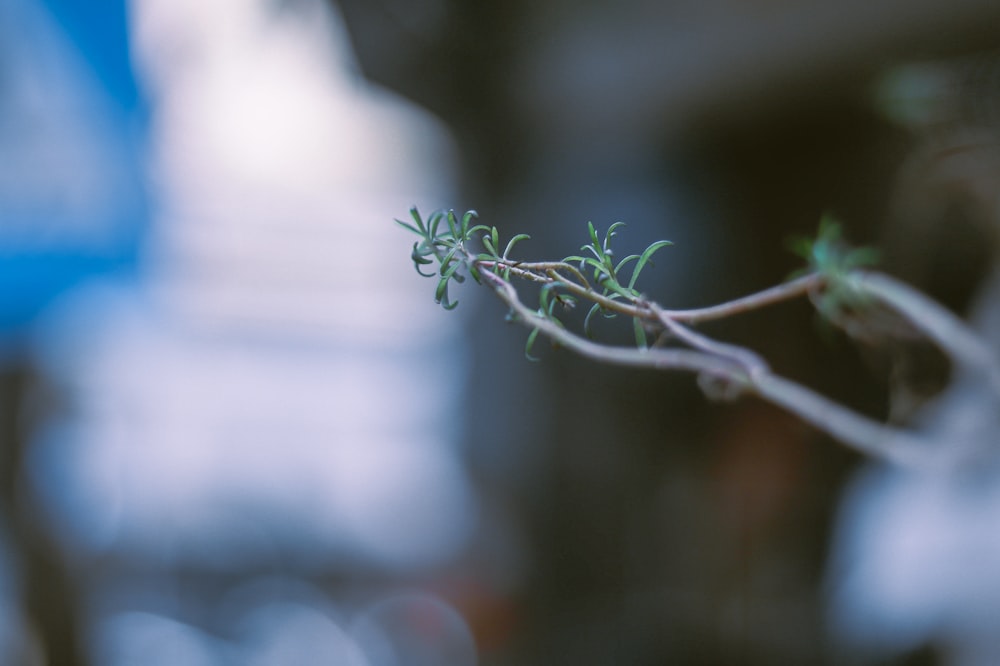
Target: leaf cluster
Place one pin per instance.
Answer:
(828, 254)
(446, 246)
(606, 273)
(446, 241)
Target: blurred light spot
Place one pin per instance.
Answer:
(273, 390)
(146, 639)
(914, 559)
(287, 634)
(414, 630)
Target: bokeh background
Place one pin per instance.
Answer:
(236, 430)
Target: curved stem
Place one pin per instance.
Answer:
(855, 430)
(949, 332)
(776, 294)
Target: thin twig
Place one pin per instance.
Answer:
(776, 294)
(860, 432)
(734, 368)
(949, 332)
(752, 362)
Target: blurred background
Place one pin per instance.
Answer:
(235, 429)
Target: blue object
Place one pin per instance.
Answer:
(72, 122)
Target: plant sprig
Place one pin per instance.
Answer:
(836, 278)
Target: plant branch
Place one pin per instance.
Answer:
(859, 432)
(949, 332)
(783, 292)
(835, 282)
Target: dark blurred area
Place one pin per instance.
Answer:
(659, 528)
(237, 431)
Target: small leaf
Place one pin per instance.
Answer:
(490, 246)
(451, 271)
(599, 268)
(613, 287)
(609, 267)
(800, 246)
(415, 214)
(409, 227)
(644, 259)
(466, 219)
(453, 224)
(598, 254)
(495, 238)
(448, 262)
(640, 333)
(863, 256)
(612, 231)
(513, 241)
(433, 222)
(624, 262)
(441, 292)
(593, 235)
(531, 343)
(420, 252)
(547, 304)
(418, 260)
(474, 272)
(586, 320)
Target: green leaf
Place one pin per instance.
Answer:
(433, 222)
(418, 260)
(531, 343)
(544, 298)
(586, 320)
(441, 292)
(593, 235)
(644, 259)
(609, 267)
(800, 246)
(451, 271)
(640, 333)
(624, 262)
(495, 238)
(415, 214)
(420, 252)
(612, 231)
(594, 263)
(613, 287)
(453, 224)
(409, 227)
(600, 270)
(490, 246)
(513, 241)
(597, 252)
(448, 261)
(861, 257)
(466, 219)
